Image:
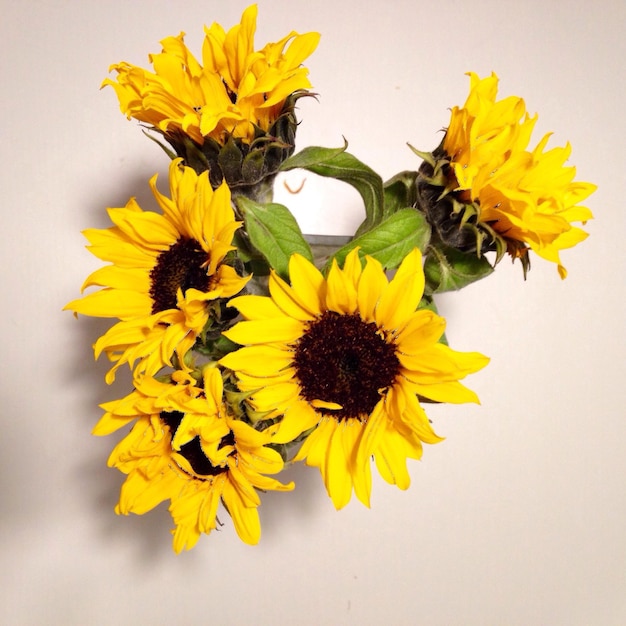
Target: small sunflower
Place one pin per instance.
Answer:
(515, 199)
(237, 90)
(343, 360)
(165, 271)
(185, 447)
(531, 201)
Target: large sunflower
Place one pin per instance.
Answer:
(165, 271)
(185, 447)
(237, 90)
(528, 198)
(346, 358)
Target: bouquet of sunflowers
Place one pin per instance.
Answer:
(251, 345)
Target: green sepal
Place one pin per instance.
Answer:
(400, 192)
(230, 159)
(341, 165)
(274, 232)
(223, 346)
(390, 241)
(428, 157)
(254, 262)
(252, 166)
(170, 153)
(449, 269)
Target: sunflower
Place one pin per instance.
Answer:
(237, 91)
(166, 270)
(485, 131)
(522, 198)
(186, 447)
(343, 359)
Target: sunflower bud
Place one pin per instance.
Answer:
(248, 167)
(452, 214)
(483, 189)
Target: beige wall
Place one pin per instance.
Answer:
(517, 518)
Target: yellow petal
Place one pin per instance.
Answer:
(119, 278)
(341, 292)
(401, 298)
(372, 284)
(308, 282)
(299, 418)
(121, 303)
(284, 330)
(245, 519)
(337, 475)
(451, 392)
(254, 307)
(423, 329)
(258, 360)
(289, 301)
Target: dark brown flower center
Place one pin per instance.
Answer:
(192, 450)
(342, 359)
(182, 266)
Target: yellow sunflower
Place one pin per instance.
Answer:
(346, 358)
(236, 90)
(485, 131)
(185, 447)
(527, 197)
(165, 270)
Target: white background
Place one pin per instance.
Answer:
(517, 518)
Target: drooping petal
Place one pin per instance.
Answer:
(527, 197)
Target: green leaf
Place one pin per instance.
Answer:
(390, 241)
(400, 192)
(310, 156)
(341, 165)
(448, 269)
(274, 232)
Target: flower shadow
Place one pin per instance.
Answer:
(95, 483)
(280, 511)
